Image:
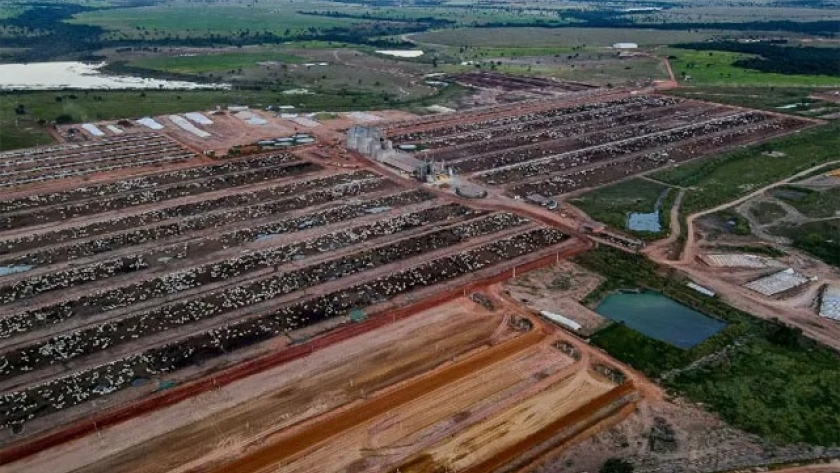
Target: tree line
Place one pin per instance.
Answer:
(771, 56)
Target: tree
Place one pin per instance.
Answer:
(616, 465)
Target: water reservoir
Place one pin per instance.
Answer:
(659, 317)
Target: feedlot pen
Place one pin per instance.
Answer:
(555, 147)
(134, 283)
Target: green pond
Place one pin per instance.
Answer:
(659, 317)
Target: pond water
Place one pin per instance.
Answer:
(647, 222)
(660, 317)
(644, 222)
(79, 75)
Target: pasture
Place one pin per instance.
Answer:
(716, 68)
(181, 20)
(724, 178)
(743, 12)
(200, 62)
(452, 14)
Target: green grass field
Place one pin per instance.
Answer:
(724, 178)
(20, 132)
(212, 62)
(771, 381)
(159, 21)
(612, 204)
(713, 12)
(715, 68)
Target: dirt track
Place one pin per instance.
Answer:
(689, 251)
(833, 467)
(308, 436)
(384, 440)
(380, 440)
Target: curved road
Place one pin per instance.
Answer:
(688, 249)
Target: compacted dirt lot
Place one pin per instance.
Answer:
(557, 289)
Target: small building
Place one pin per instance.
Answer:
(561, 320)
(371, 141)
(780, 282)
(701, 289)
(625, 46)
(830, 303)
(404, 163)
